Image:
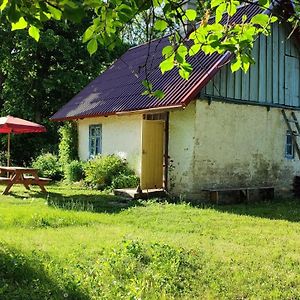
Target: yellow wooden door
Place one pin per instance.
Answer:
(152, 154)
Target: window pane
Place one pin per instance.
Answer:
(289, 146)
(92, 147)
(95, 138)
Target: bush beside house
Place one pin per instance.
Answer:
(102, 172)
(48, 166)
(109, 171)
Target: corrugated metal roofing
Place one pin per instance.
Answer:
(119, 88)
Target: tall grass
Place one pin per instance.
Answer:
(81, 244)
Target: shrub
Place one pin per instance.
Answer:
(68, 143)
(101, 170)
(74, 171)
(48, 166)
(125, 181)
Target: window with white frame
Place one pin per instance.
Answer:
(95, 140)
(289, 146)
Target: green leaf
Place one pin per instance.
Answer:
(191, 14)
(194, 49)
(215, 3)
(232, 8)
(146, 93)
(245, 66)
(3, 5)
(236, 64)
(261, 20)
(147, 84)
(44, 16)
(127, 10)
(273, 19)
(246, 61)
(160, 25)
(55, 13)
(184, 74)
(34, 32)
(158, 94)
(182, 50)
(21, 24)
(156, 3)
(198, 36)
(219, 12)
(88, 33)
(167, 51)
(179, 58)
(92, 46)
(166, 65)
(207, 49)
(264, 3)
(123, 17)
(187, 67)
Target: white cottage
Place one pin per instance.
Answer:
(218, 129)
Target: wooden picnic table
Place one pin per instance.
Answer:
(20, 175)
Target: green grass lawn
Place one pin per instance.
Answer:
(51, 249)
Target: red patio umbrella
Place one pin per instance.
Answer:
(14, 125)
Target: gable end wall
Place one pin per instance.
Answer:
(273, 79)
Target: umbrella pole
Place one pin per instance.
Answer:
(8, 149)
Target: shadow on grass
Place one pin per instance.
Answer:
(277, 209)
(98, 203)
(23, 277)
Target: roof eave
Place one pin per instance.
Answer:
(79, 117)
(120, 113)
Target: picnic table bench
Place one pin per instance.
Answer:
(244, 192)
(20, 175)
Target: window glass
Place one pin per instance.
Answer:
(289, 146)
(95, 140)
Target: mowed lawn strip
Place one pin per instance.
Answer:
(238, 251)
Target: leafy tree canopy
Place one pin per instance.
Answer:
(38, 78)
(109, 18)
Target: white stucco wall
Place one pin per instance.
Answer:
(120, 135)
(228, 145)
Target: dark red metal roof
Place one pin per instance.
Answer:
(119, 88)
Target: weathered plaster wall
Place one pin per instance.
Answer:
(228, 145)
(181, 149)
(120, 135)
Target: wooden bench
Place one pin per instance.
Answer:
(40, 179)
(244, 192)
(4, 180)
